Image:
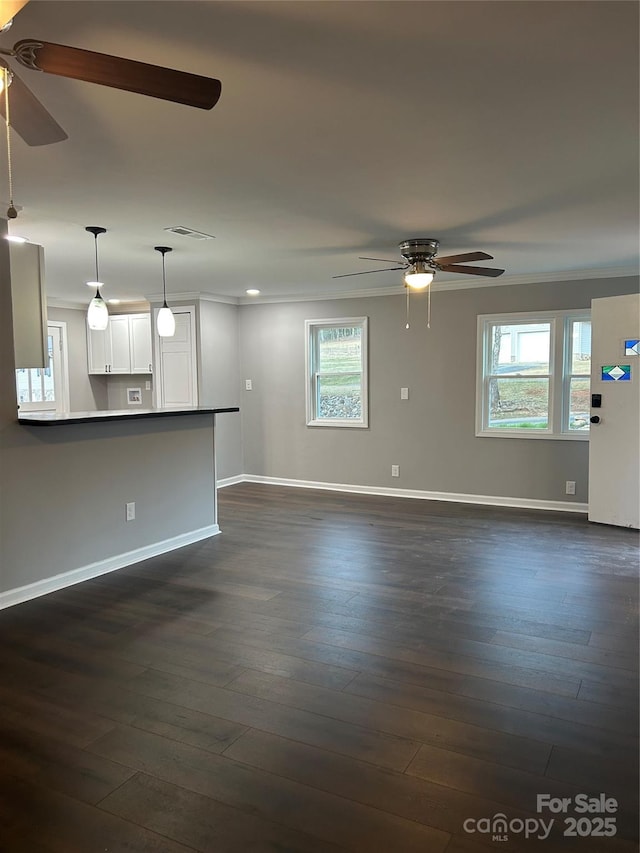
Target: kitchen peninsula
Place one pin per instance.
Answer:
(115, 488)
(62, 418)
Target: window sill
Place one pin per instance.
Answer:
(337, 423)
(549, 436)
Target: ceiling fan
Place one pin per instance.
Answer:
(421, 263)
(36, 126)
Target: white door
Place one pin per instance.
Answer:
(177, 361)
(614, 441)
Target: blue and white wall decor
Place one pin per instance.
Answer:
(616, 372)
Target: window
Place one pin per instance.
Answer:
(46, 389)
(533, 375)
(337, 372)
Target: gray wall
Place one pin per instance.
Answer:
(117, 391)
(431, 435)
(89, 392)
(86, 393)
(63, 489)
(219, 379)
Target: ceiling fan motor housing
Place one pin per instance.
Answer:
(419, 249)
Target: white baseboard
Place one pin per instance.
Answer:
(486, 500)
(102, 567)
(119, 561)
(231, 481)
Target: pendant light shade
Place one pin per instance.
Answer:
(165, 321)
(98, 313)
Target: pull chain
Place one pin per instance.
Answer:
(429, 307)
(407, 288)
(12, 213)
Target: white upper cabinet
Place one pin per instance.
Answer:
(120, 350)
(140, 343)
(124, 347)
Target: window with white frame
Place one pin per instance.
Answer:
(336, 362)
(534, 375)
(46, 389)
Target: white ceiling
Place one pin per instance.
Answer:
(343, 128)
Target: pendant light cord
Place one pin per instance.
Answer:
(164, 284)
(95, 239)
(11, 212)
(163, 251)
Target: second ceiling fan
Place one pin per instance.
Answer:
(32, 121)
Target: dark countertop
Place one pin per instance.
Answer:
(57, 419)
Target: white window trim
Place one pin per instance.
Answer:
(559, 378)
(349, 423)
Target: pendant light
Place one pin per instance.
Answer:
(165, 321)
(98, 313)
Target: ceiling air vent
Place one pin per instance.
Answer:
(183, 231)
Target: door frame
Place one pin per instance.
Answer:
(157, 361)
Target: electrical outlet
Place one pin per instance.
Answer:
(404, 393)
(147, 385)
(570, 487)
(248, 385)
(395, 470)
(130, 511)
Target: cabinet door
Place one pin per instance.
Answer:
(140, 331)
(119, 332)
(98, 350)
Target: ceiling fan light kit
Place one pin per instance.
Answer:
(419, 276)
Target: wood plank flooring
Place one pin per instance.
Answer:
(333, 672)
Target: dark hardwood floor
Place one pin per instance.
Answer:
(333, 672)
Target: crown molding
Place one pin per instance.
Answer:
(124, 307)
(54, 302)
(196, 295)
(462, 284)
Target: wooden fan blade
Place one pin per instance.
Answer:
(367, 272)
(128, 74)
(29, 118)
(466, 256)
(383, 260)
(9, 9)
(488, 271)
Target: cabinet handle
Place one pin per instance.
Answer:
(149, 368)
